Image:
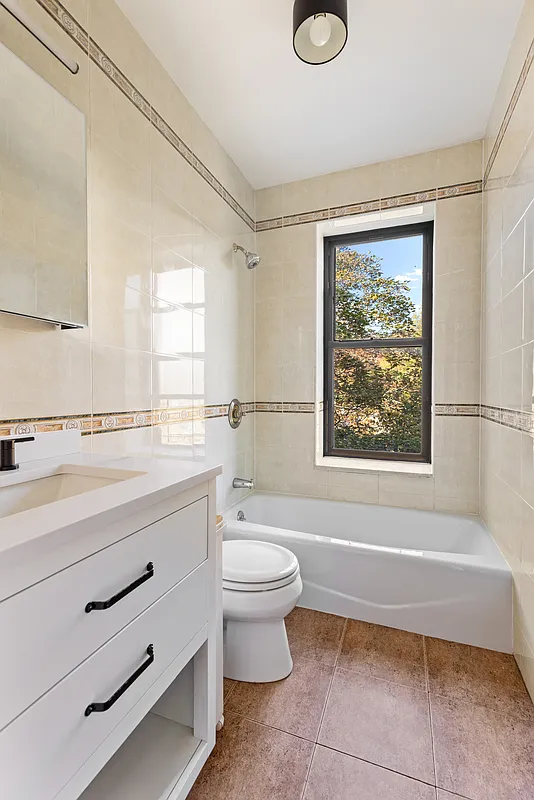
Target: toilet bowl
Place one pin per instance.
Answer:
(261, 585)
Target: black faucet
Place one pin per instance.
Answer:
(7, 452)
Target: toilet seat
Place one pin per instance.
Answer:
(251, 566)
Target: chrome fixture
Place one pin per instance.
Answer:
(13, 8)
(320, 29)
(243, 483)
(251, 259)
(241, 516)
(235, 413)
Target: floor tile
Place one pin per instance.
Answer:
(314, 635)
(253, 762)
(443, 795)
(382, 722)
(384, 653)
(335, 775)
(480, 753)
(294, 705)
(473, 675)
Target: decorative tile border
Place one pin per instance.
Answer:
(116, 421)
(457, 410)
(522, 421)
(370, 206)
(516, 94)
(129, 420)
(279, 408)
(77, 33)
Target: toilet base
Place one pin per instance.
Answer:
(256, 652)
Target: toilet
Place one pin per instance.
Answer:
(261, 585)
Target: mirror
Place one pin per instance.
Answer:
(43, 199)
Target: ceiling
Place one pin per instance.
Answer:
(415, 75)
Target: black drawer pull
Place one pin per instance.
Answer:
(99, 707)
(101, 605)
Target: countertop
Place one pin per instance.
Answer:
(36, 534)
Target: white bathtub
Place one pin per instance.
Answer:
(436, 574)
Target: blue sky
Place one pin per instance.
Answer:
(402, 259)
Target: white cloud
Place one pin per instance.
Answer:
(411, 277)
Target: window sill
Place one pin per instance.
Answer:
(373, 465)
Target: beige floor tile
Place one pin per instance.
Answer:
(253, 762)
(480, 753)
(382, 722)
(473, 675)
(294, 705)
(314, 635)
(385, 653)
(442, 795)
(335, 775)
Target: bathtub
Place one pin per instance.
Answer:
(436, 574)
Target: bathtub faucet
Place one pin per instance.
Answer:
(243, 483)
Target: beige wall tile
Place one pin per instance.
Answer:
(402, 500)
(460, 164)
(121, 379)
(507, 472)
(407, 175)
(114, 119)
(48, 372)
(117, 38)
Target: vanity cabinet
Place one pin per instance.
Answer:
(112, 663)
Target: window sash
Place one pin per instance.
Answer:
(424, 229)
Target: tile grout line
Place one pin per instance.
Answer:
(427, 682)
(340, 645)
(381, 766)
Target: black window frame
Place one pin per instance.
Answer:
(426, 230)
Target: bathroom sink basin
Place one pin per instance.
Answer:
(27, 491)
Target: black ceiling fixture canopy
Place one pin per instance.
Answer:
(320, 29)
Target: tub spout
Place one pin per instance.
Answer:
(243, 483)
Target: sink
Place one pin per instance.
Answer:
(25, 492)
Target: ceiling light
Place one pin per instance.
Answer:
(320, 29)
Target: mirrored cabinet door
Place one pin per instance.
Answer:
(43, 199)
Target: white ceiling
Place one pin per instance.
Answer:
(415, 75)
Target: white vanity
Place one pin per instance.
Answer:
(110, 609)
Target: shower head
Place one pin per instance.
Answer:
(251, 259)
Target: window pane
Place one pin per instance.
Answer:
(378, 292)
(378, 399)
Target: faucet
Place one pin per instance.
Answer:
(243, 483)
(7, 452)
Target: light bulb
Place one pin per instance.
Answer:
(320, 30)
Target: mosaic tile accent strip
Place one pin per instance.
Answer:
(370, 206)
(77, 33)
(523, 75)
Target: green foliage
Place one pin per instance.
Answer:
(377, 392)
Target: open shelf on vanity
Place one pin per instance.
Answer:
(161, 757)
(149, 764)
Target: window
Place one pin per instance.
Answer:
(378, 342)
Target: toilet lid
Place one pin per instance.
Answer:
(249, 562)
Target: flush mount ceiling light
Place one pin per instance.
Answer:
(320, 29)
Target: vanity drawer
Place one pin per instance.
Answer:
(42, 749)
(47, 629)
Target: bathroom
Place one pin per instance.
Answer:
(224, 166)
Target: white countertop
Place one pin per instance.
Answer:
(33, 533)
